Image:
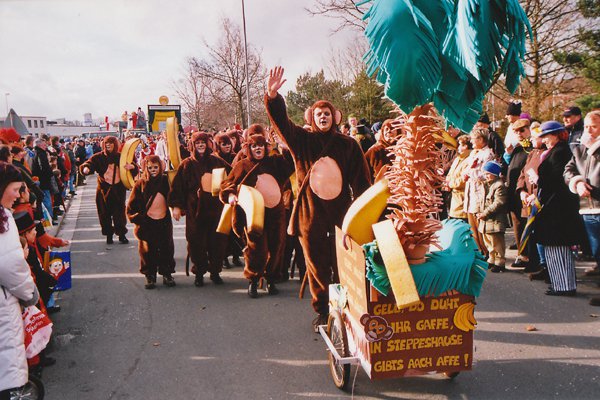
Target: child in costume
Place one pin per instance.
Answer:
(147, 209)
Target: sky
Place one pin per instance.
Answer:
(64, 58)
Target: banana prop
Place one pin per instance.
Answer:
(464, 318)
(218, 176)
(396, 264)
(127, 155)
(224, 225)
(365, 211)
(253, 205)
(447, 139)
(173, 142)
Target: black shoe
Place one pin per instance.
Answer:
(497, 268)
(272, 289)
(199, 281)
(54, 309)
(253, 289)
(216, 278)
(109, 239)
(58, 212)
(123, 239)
(236, 261)
(226, 264)
(540, 275)
(47, 361)
(513, 246)
(569, 293)
(168, 280)
(150, 282)
(490, 266)
(72, 193)
(54, 222)
(321, 319)
(519, 263)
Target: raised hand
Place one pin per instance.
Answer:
(275, 81)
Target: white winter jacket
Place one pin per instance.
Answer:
(16, 284)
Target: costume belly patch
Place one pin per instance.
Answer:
(268, 187)
(326, 179)
(108, 175)
(206, 182)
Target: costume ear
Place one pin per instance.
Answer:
(308, 116)
(338, 117)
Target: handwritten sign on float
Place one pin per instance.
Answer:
(392, 341)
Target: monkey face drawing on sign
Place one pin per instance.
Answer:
(56, 268)
(376, 328)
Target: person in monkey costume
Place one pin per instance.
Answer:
(147, 209)
(331, 170)
(378, 156)
(191, 195)
(268, 174)
(110, 193)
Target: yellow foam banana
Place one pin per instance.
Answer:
(396, 264)
(224, 225)
(253, 205)
(218, 176)
(464, 318)
(173, 142)
(127, 156)
(447, 139)
(365, 211)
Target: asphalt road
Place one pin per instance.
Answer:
(115, 340)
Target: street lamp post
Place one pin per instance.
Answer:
(246, 55)
(6, 100)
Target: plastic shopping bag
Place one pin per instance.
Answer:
(38, 329)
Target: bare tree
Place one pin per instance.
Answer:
(347, 64)
(347, 12)
(547, 85)
(226, 65)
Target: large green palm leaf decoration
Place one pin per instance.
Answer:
(448, 52)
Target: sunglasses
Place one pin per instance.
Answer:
(521, 130)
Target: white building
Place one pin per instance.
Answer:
(35, 125)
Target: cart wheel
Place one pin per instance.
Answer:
(337, 334)
(451, 375)
(33, 390)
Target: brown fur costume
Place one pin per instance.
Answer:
(155, 236)
(263, 254)
(378, 155)
(322, 155)
(206, 247)
(110, 198)
(223, 138)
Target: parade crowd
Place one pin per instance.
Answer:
(542, 180)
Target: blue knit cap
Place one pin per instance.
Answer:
(492, 167)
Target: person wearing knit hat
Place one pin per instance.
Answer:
(268, 174)
(191, 195)
(495, 142)
(110, 192)
(493, 220)
(17, 286)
